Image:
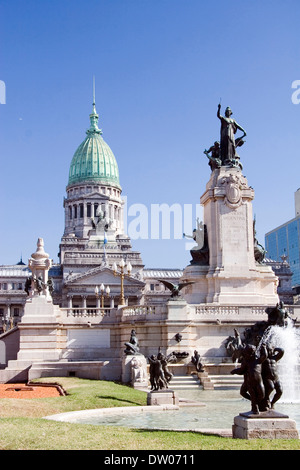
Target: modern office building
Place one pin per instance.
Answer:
(283, 242)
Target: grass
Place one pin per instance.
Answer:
(22, 426)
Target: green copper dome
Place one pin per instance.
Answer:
(93, 161)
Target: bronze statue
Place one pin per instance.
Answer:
(132, 347)
(228, 143)
(157, 376)
(259, 250)
(50, 286)
(253, 386)
(28, 285)
(178, 337)
(196, 360)
(214, 159)
(200, 253)
(270, 376)
(164, 363)
(277, 315)
(175, 288)
(259, 355)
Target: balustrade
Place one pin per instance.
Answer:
(86, 311)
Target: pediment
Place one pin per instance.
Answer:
(98, 196)
(101, 275)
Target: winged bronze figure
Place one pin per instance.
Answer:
(175, 288)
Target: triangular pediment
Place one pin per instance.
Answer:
(98, 197)
(101, 275)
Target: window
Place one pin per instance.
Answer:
(88, 210)
(81, 211)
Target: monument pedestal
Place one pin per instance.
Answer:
(39, 332)
(265, 425)
(40, 310)
(39, 336)
(134, 370)
(162, 397)
(233, 275)
(177, 309)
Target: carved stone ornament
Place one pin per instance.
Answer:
(233, 186)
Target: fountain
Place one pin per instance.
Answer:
(266, 344)
(279, 332)
(288, 339)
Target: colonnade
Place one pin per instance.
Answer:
(79, 214)
(86, 303)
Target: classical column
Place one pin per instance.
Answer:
(7, 315)
(98, 304)
(70, 304)
(84, 305)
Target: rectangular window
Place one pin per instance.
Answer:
(88, 210)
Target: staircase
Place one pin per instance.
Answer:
(206, 382)
(217, 376)
(185, 382)
(226, 381)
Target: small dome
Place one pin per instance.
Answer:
(94, 161)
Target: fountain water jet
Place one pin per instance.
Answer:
(282, 339)
(287, 338)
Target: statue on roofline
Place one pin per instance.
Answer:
(228, 144)
(223, 152)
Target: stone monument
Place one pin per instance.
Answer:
(39, 337)
(225, 270)
(160, 378)
(39, 307)
(40, 314)
(258, 356)
(134, 364)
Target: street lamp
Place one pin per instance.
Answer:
(103, 290)
(122, 275)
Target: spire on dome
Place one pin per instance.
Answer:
(94, 129)
(94, 96)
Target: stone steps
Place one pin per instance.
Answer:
(226, 381)
(185, 382)
(216, 381)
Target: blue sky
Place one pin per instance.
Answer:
(161, 67)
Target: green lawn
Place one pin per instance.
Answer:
(22, 426)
